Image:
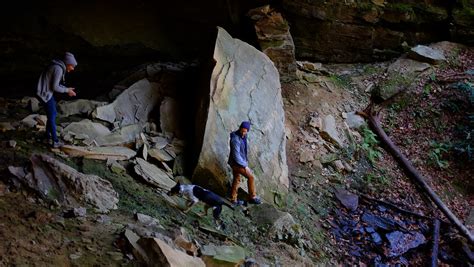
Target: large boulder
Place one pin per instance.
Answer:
(426, 54)
(225, 256)
(54, 180)
(86, 130)
(132, 106)
(78, 107)
(401, 75)
(158, 253)
(244, 86)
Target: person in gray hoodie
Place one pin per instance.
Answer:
(238, 161)
(50, 81)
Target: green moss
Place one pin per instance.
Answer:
(343, 81)
(400, 7)
(271, 43)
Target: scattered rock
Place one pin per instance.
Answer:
(347, 199)
(329, 132)
(80, 212)
(12, 143)
(328, 158)
(6, 126)
(316, 122)
(240, 69)
(159, 142)
(160, 254)
(316, 68)
(348, 167)
(31, 120)
(160, 154)
(188, 246)
(115, 167)
(33, 103)
(147, 220)
(122, 136)
(137, 250)
(215, 256)
(99, 153)
(426, 54)
(86, 130)
(132, 106)
(354, 121)
(78, 107)
(338, 165)
(103, 219)
(116, 256)
(403, 242)
(306, 156)
(281, 225)
(153, 175)
(377, 222)
(54, 180)
(75, 256)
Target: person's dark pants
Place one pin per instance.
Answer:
(51, 113)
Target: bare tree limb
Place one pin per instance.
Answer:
(411, 171)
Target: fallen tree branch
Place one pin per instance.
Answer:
(411, 171)
(434, 251)
(397, 208)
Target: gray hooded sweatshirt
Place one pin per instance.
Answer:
(49, 81)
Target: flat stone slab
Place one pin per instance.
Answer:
(100, 153)
(153, 175)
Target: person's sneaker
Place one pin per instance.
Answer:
(237, 203)
(57, 144)
(255, 200)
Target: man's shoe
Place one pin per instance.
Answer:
(237, 203)
(255, 200)
(57, 144)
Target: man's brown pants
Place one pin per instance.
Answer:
(236, 172)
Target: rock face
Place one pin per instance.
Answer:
(275, 40)
(355, 31)
(244, 86)
(170, 117)
(54, 180)
(132, 106)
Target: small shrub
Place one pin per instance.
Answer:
(369, 145)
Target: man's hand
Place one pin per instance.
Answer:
(71, 92)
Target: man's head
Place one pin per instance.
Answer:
(244, 128)
(70, 61)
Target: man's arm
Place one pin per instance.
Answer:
(56, 74)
